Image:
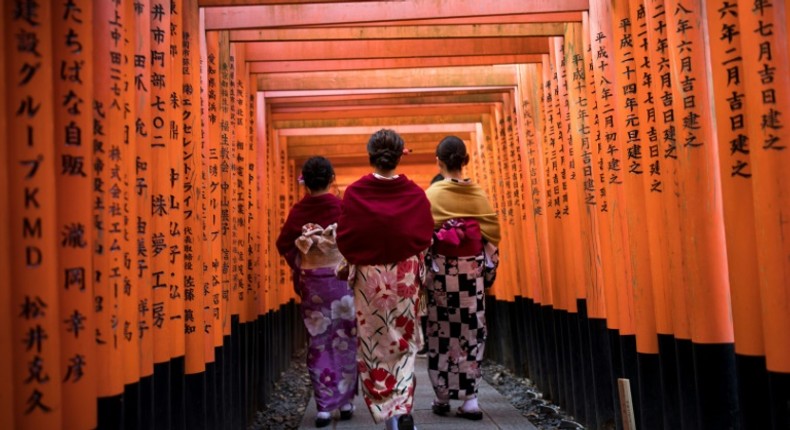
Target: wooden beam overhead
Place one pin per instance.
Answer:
(362, 139)
(524, 18)
(389, 63)
(452, 77)
(403, 48)
(417, 97)
(367, 129)
(289, 15)
(397, 32)
(349, 93)
(269, 2)
(380, 111)
(378, 121)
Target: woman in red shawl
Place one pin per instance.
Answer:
(385, 227)
(307, 241)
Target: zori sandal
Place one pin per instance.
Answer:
(469, 415)
(440, 408)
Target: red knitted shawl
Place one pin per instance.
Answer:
(384, 221)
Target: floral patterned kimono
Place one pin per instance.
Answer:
(329, 316)
(387, 298)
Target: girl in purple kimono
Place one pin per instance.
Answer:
(307, 241)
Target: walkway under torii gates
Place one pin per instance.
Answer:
(636, 152)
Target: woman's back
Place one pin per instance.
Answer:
(384, 221)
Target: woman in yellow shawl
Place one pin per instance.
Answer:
(463, 258)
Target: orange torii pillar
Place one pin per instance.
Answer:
(213, 229)
(272, 261)
(647, 157)
(704, 245)
(234, 301)
(129, 289)
(559, 277)
(501, 289)
(504, 288)
(232, 197)
(711, 325)
(191, 136)
(672, 325)
(564, 287)
(603, 332)
(226, 163)
(735, 145)
(517, 172)
(599, 89)
(531, 197)
(512, 233)
(6, 329)
(254, 213)
(508, 160)
(113, 147)
(33, 234)
(584, 125)
(613, 228)
(534, 83)
(73, 126)
(264, 227)
(499, 297)
(574, 233)
(224, 154)
(631, 116)
(160, 207)
(142, 221)
(174, 78)
(764, 28)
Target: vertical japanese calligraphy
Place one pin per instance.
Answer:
(108, 156)
(531, 194)
(129, 289)
(193, 182)
(213, 182)
(656, 18)
(552, 182)
(734, 148)
(163, 178)
(629, 144)
(225, 177)
(701, 214)
(584, 182)
(765, 61)
(34, 233)
(571, 211)
(6, 320)
(650, 163)
(73, 127)
(609, 178)
(143, 184)
(175, 146)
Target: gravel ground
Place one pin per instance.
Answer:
(293, 390)
(291, 394)
(526, 397)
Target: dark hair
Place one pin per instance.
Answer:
(452, 152)
(437, 178)
(317, 173)
(385, 147)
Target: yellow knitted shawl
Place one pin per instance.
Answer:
(451, 199)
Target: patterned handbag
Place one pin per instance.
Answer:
(491, 254)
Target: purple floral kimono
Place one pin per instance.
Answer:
(329, 316)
